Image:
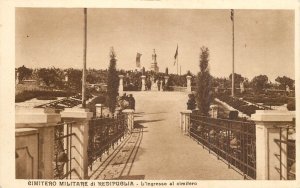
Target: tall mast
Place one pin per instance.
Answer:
(84, 61)
(232, 77)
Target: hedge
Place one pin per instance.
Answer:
(30, 94)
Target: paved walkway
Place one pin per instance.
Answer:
(160, 150)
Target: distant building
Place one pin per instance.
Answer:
(154, 66)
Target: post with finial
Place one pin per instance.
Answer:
(143, 83)
(121, 84)
(188, 80)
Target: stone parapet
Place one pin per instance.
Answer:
(44, 120)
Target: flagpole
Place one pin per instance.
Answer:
(180, 71)
(177, 63)
(84, 60)
(232, 77)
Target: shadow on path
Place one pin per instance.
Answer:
(132, 177)
(137, 122)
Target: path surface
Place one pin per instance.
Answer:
(161, 151)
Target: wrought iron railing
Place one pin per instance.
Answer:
(287, 145)
(104, 133)
(233, 141)
(63, 150)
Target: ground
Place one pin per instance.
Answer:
(158, 149)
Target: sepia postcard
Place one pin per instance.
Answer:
(149, 93)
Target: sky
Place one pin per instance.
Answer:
(264, 39)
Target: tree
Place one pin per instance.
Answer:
(285, 81)
(90, 78)
(51, 76)
(203, 93)
(24, 72)
(237, 79)
(74, 78)
(112, 82)
(167, 71)
(259, 83)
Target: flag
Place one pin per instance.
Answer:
(176, 54)
(138, 60)
(232, 14)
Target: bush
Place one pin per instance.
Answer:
(273, 100)
(291, 105)
(239, 104)
(46, 98)
(27, 95)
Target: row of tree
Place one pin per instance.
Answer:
(205, 82)
(55, 77)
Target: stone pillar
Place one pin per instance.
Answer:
(166, 79)
(17, 78)
(27, 144)
(216, 89)
(214, 111)
(121, 88)
(185, 121)
(287, 88)
(130, 118)
(143, 83)
(267, 150)
(66, 78)
(188, 84)
(99, 110)
(242, 87)
(80, 141)
(44, 120)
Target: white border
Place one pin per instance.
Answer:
(7, 65)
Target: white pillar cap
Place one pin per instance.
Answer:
(37, 116)
(186, 112)
(273, 115)
(128, 111)
(80, 113)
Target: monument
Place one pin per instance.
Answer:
(154, 66)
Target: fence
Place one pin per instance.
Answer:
(63, 150)
(287, 145)
(233, 141)
(52, 145)
(104, 133)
